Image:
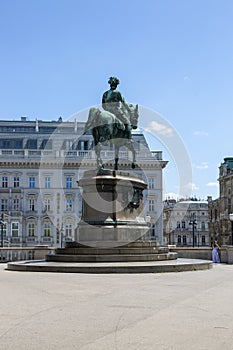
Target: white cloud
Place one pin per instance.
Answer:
(200, 133)
(212, 184)
(191, 186)
(202, 166)
(159, 128)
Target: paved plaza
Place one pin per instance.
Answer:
(168, 311)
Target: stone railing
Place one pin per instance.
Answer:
(77, 154)
(16, 254)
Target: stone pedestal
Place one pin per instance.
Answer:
(112, 208)
(111, 226)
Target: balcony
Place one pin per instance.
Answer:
(77, 154)
(15, 240)
(32, 239)
(47, 239)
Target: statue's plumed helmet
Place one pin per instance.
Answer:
(114, 80)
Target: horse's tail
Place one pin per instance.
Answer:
(91, 119)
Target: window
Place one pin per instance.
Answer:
(47, 229)
(31, 204)
(16, 181)
(4, 230)
(151, 205)
(203, 226)
(68, 230)
(11, 144)
(203, 240)
(4, 204)
(32, 182)
(153, 230)
(69, 204)
(183, 224)
(31, 144)
(69, 182)
(47, 204)
(151, 183)
(179, 240)
(31, 229)
(4, 181)
(83, 145)
(16, 204)
(46, 144)
(47, 181)
(178, 224)
(15, 229)
(184, 240)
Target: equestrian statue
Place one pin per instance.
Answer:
(113, 123)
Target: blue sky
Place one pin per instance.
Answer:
(173, 57)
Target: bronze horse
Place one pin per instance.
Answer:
(106, 127)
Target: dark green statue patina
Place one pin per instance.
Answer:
(114, 123)
(114, 102)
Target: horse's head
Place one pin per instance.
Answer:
(134, 115)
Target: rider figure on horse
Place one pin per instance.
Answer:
(113, 101)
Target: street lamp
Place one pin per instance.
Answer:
(2, 224)
(231, 218)
(62, 234)
(193, 222)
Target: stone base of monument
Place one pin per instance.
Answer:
(135, 251)
(113, 212)
(110, 235)
(112, 222)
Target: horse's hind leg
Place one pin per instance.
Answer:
(99, 160)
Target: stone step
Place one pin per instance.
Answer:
(110, 257)
(109, 251)
(177, 265)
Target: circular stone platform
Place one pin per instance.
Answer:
(177, 265)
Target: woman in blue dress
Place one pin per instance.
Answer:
(215, 252)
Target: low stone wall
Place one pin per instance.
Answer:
(226, 254)
(17, 254)
(204, 253)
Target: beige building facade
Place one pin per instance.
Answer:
(40, 165)
(185, 223)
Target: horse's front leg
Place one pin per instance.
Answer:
(131, 148)
(134, 159)
(116, 157)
